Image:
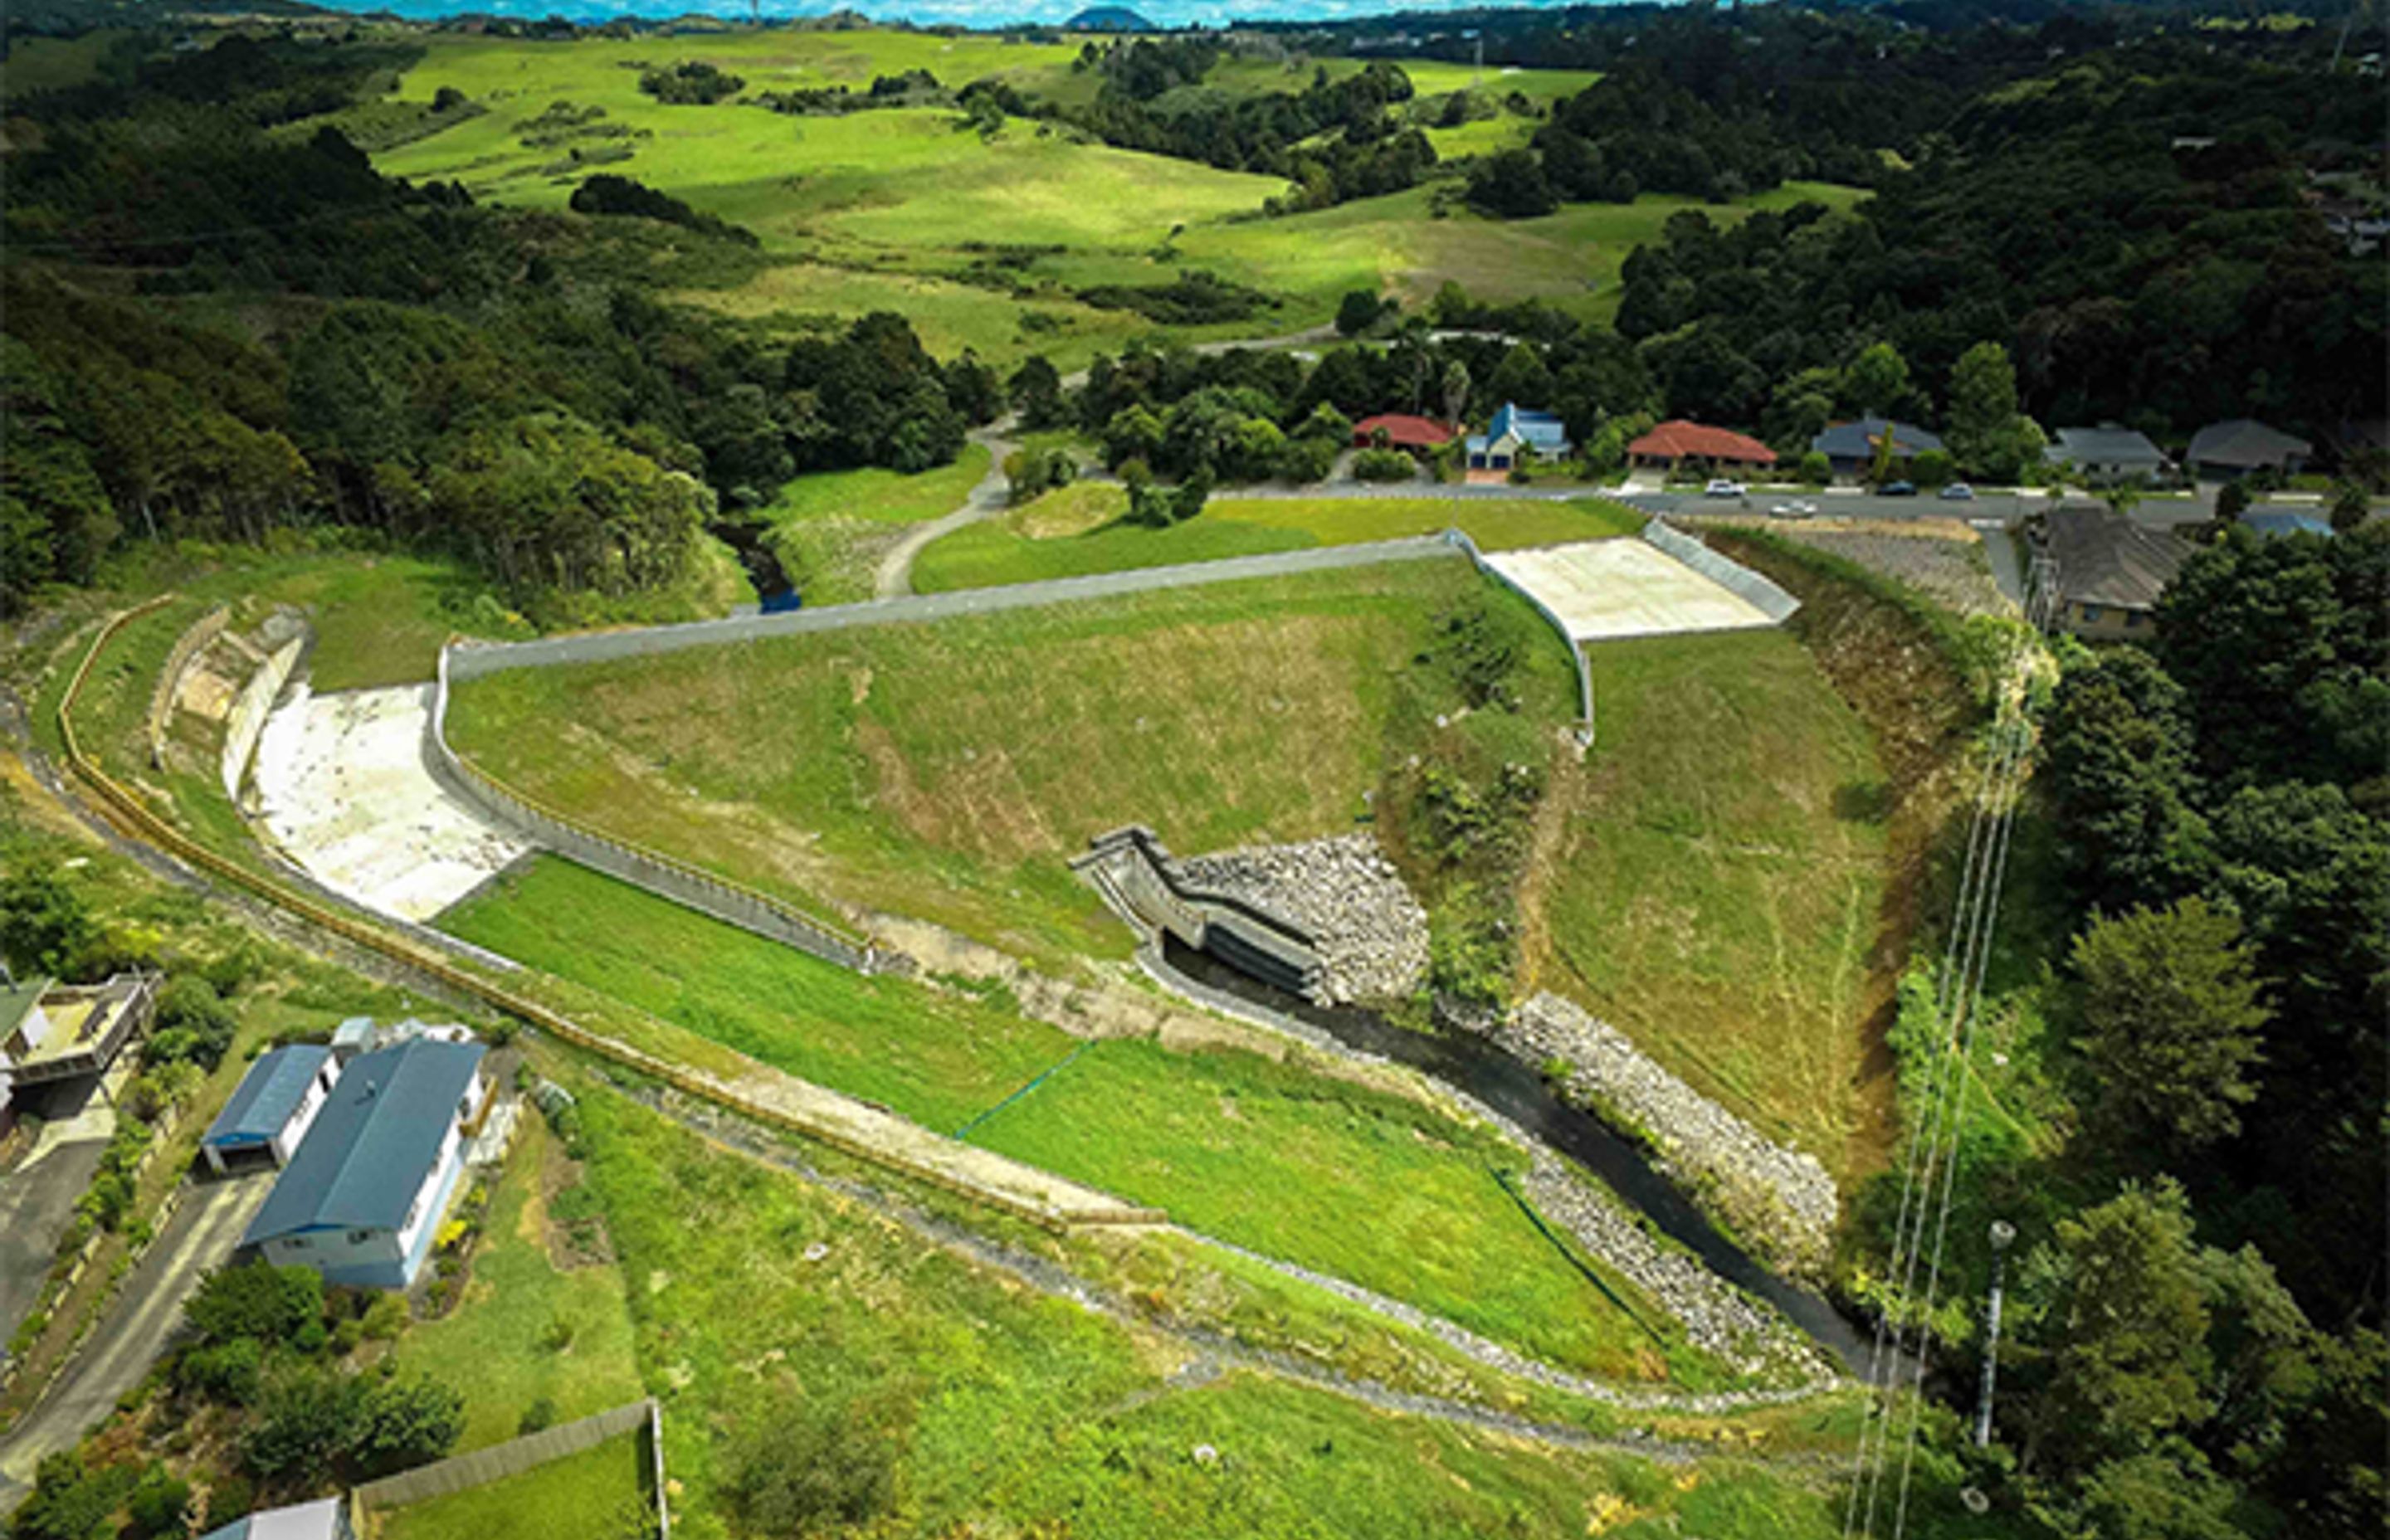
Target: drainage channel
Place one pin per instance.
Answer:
(1519, 1093)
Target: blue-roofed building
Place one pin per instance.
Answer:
(1516, 434)
(362, 1198)
(2274, 523)
(273, 1108)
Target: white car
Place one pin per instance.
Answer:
(1793, 510)
(1723, 489)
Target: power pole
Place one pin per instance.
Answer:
(2002, 1234)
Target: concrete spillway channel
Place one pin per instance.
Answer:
(1133, 873)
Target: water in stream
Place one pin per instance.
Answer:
(1518, 1092)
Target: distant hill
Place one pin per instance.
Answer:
(1108, 18)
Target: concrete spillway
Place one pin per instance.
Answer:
(1136, 877)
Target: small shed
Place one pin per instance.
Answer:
(325, 1519)
(272, 1109)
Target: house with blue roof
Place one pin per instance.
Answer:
(272, 1109)
(1516, 434)
(363, 1197)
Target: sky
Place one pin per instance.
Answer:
(969, 13)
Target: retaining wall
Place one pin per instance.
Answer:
(658, 873)
(464, 1472)
(170, 678)
(1728, 573)
(249, 710)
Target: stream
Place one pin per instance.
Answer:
(762, 565)
(1518, 1092)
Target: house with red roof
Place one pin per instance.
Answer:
(1403, 430)
(1672, 444)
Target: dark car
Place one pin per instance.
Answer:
(1897, 489)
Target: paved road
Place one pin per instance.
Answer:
(2004, 507)
(37, 1199)
(991, 496)
(147, 1309)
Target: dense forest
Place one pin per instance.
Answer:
(215, 330)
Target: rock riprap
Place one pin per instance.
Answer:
(1370, 933)
(1781, 1201)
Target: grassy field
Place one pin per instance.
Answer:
(884, 496)
(582, 1494)
(1365, 1184)
(1714, 887)
(936, 1057)
(496, 1346)
(947, 771)
(36, 63)
(896, 210)
(1018, 549)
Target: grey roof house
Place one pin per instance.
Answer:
(2243, 444)
(362, 1198)
(2109, 571)
(2107, 452)
(1851, 447)
(272, 1109)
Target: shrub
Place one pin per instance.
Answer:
(1932, 467)
(192, 1023)
(158, 1506)
(229, 1372)
(385, 1317)
(231, 1497)
(1383, 465)
(407, 1421)
(803, 1467)
(259, 1300)
(1304, 460)
(1815, 469)
(538, 1417)
(556, 1335)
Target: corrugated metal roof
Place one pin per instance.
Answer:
(2104, 558)
(373, 1143)
(2245, 443)
(1541, 428)
(269, 1093)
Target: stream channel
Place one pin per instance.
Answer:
(1518, 1092)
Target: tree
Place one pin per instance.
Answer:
(1358, 311)
(2118, 753)
(1035, 393)
(1456, 390)
(1875, 381)
(1520, 377)
(406, 1421)
(1985, 424)
(44, 927)
(1134, 433)
(2350, 506)
(261, 1301)
(1510, 186)
(192, 1023)
(2171, 1025)
(2114, 1340)
(2231, 501)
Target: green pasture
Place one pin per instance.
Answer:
(947, 771)
(1008, 551)
(1720, 886)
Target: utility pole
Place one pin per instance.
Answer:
(2002, 1234)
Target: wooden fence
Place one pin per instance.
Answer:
(502, 1461)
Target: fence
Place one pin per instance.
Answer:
(1728, 573)
(514, 1457)
(170, 679)
(678, 881)
(130, 813)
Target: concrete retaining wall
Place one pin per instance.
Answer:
(1576, 654)
(464, 1472)
(251, 710)
(1729, 574)
(474, 662)
(657, 873)
(170, 678)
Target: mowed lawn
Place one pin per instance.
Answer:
(936, 1057)
(1716, 893)
(1015, 549)
(881, 495)
(583, 1496)
(948, 770)
(500, 1346)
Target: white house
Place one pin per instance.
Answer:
(364, 1196)
(272, 1111)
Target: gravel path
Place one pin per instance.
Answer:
(990, 498)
